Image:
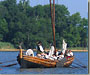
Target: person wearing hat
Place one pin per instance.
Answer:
(40, 50)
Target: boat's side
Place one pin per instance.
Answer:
(69, 62)
(35, 62)
(66, 62)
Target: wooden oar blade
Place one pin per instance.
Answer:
(80, 65)
(9, 65)
(84, 66)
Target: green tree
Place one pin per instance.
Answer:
(83, 30)
(23, 23)
(72, 34)
(3, 29)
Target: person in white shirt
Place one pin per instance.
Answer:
(70, 53)
(60, 56)
(52, 49)
(52, 55)
(30, 52)
(40, 50)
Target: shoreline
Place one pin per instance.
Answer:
(76, 50)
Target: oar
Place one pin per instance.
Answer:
(80, 65)
(8, 61)
(72, 66)
(9, 65)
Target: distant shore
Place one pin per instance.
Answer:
(76, 50)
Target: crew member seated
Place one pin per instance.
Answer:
(52, 49)
(60, 57)
(40, 50)
(30, 52)
(70, 53)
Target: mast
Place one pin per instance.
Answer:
(53, 22)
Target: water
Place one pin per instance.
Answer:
(73, 69)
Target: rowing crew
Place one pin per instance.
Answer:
(51, 55)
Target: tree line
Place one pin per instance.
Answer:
(19, 22)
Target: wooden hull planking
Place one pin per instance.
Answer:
(69, 62)
(35, 62)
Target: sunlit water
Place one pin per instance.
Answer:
(80, 58)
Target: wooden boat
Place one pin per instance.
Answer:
(35, 62)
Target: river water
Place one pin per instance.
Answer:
(81, 58)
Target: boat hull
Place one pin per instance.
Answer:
(34, 62)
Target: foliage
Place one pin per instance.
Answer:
(23, 23)
(6, 45)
